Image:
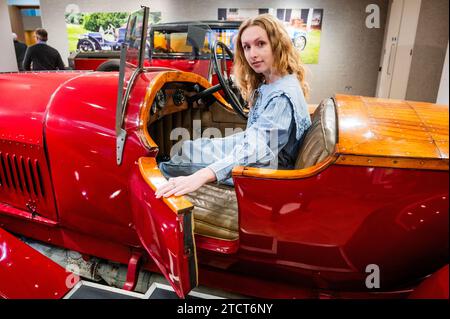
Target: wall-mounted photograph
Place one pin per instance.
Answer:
(99, 31)
(303, 25)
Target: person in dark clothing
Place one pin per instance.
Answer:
(20, 49)
(41, 56)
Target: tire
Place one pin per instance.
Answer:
(109, 66)
(85, 45)
(300, 43)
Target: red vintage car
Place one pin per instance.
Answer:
(168, 45)
(364, 213)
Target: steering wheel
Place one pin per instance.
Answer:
(231, 91)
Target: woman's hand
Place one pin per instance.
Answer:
(185, 184)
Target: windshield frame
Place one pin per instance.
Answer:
(126, 67)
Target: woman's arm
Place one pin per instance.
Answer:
(185, 184)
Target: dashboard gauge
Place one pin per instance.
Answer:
(178, 97)
(161, 99)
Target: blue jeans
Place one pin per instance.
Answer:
(185, 162)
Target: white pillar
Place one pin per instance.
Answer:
(8, 61)
(442, 97)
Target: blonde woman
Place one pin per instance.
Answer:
(271, 77)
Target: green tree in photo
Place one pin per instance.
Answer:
(93, 21)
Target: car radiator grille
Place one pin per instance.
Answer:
(25, 182)
(21, 174)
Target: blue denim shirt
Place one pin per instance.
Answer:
(276, 124)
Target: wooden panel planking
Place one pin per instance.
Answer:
(390, 128)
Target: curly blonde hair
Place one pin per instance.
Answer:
(286, 58)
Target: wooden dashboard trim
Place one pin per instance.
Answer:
(157, 83)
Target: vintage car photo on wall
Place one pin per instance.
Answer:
(363, 214)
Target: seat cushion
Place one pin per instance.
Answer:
(320, 139)
(215, 211)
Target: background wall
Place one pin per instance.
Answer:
(8, 58)
(429, 51)
(349, 53)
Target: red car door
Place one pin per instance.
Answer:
(165, 227)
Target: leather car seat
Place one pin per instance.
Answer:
(320, 139)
